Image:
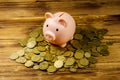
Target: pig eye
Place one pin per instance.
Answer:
(47, 25)
(56, 29)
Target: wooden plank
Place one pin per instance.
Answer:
(20, 72)
(17, 9)
(22, 26)
(8, 47)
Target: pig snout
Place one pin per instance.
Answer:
(50, 36)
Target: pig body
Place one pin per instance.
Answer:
(59, 28)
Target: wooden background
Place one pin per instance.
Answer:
(19, 17)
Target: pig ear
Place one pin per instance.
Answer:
(48, 15)
(62, 22)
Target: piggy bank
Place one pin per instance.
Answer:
(59, 28)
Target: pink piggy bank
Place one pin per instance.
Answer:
(59, 28)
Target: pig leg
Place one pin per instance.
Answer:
(63, 45)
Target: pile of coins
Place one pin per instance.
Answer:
(81, 52)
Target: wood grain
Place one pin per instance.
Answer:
(21, 8)
(19, 17)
